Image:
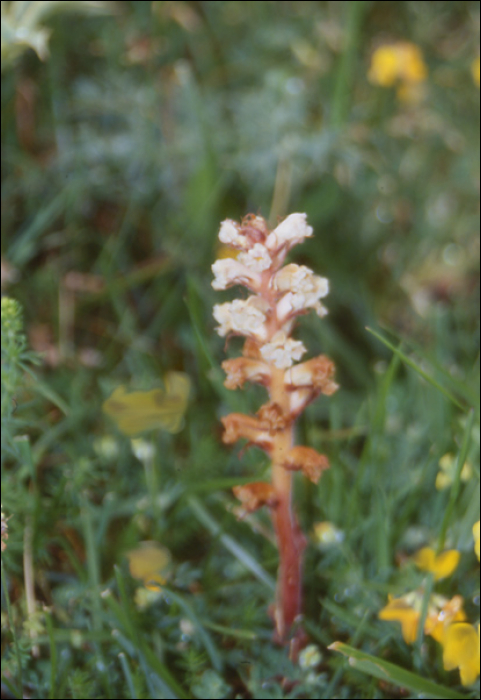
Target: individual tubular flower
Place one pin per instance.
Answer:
(269, 357)
(238, 425)
(255, 495)
(245, 369)
(281, 351)
(257, 258)
(307, 460)
(302, 288)
(229, 272)
(290, 232)
(229, 235)
(309, 379)
(247, 317)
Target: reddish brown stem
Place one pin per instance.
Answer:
(291, 541)
(291, 544)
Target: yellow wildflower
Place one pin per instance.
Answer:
(445, 476)
(475, 70)
(461, 650)
(150, 562)
(407, 611)
(397, 62)
(442, 612)
(441, 565)
(137, 411)
(476, 538)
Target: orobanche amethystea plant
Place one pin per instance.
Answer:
(270, 357)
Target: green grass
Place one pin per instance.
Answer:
(122, 153)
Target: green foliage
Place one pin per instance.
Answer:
(15, 361)
(123, 151)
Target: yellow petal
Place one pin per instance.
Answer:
(447, 471)
(147, 410)
(442, 612)
(399, 610)
(412, 66)
(400, 61)
(475, 70)
(384, 66)
(150, 562)
(441, 565)
(461, 650)
(476, 538)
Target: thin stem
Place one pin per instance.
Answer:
(347, 64)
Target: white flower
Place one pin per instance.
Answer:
(143, 449)
(229, 235)
(229, 271)
(303, 290)
(290, 232)
(282, 350)
(299, 278)
(257, 258)
(310, 657)
(242, 316)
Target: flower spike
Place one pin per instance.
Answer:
(270, 357)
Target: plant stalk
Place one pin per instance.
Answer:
(291, 541)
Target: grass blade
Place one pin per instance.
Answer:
(379, 668)
(407, 360)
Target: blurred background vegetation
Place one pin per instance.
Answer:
(130, 130)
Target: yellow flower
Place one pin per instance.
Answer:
(445, 476)
(407, 611)
(150, 563)
(398, 62)
(441, 565)
(461, 650)
(475, 70)
(441, 613)
(148, 410)
(476, 538)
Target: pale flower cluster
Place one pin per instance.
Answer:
(280, 293)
